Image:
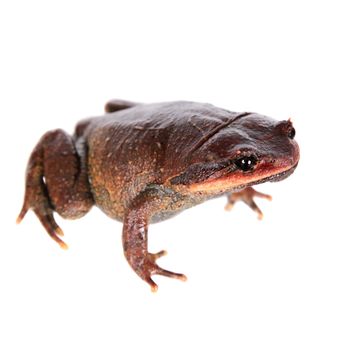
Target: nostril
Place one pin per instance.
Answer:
(291, 133)
(285, 127)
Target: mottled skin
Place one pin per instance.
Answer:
(144, 163)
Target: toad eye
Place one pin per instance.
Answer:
(246, 163)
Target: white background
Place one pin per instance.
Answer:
(280, 283)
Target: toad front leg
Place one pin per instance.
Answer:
(135, 240)
(247, 196)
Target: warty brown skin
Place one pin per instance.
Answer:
(144, 163)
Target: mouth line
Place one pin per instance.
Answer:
(283, 175)
(275, 177)
(220, 186)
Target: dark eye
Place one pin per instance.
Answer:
(291, 133)
(246, 163)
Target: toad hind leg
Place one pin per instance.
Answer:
(56, 180)
(135, 244)
(247, 196)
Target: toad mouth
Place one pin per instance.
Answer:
(272, 178)
(283, 175)
(222, 185)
